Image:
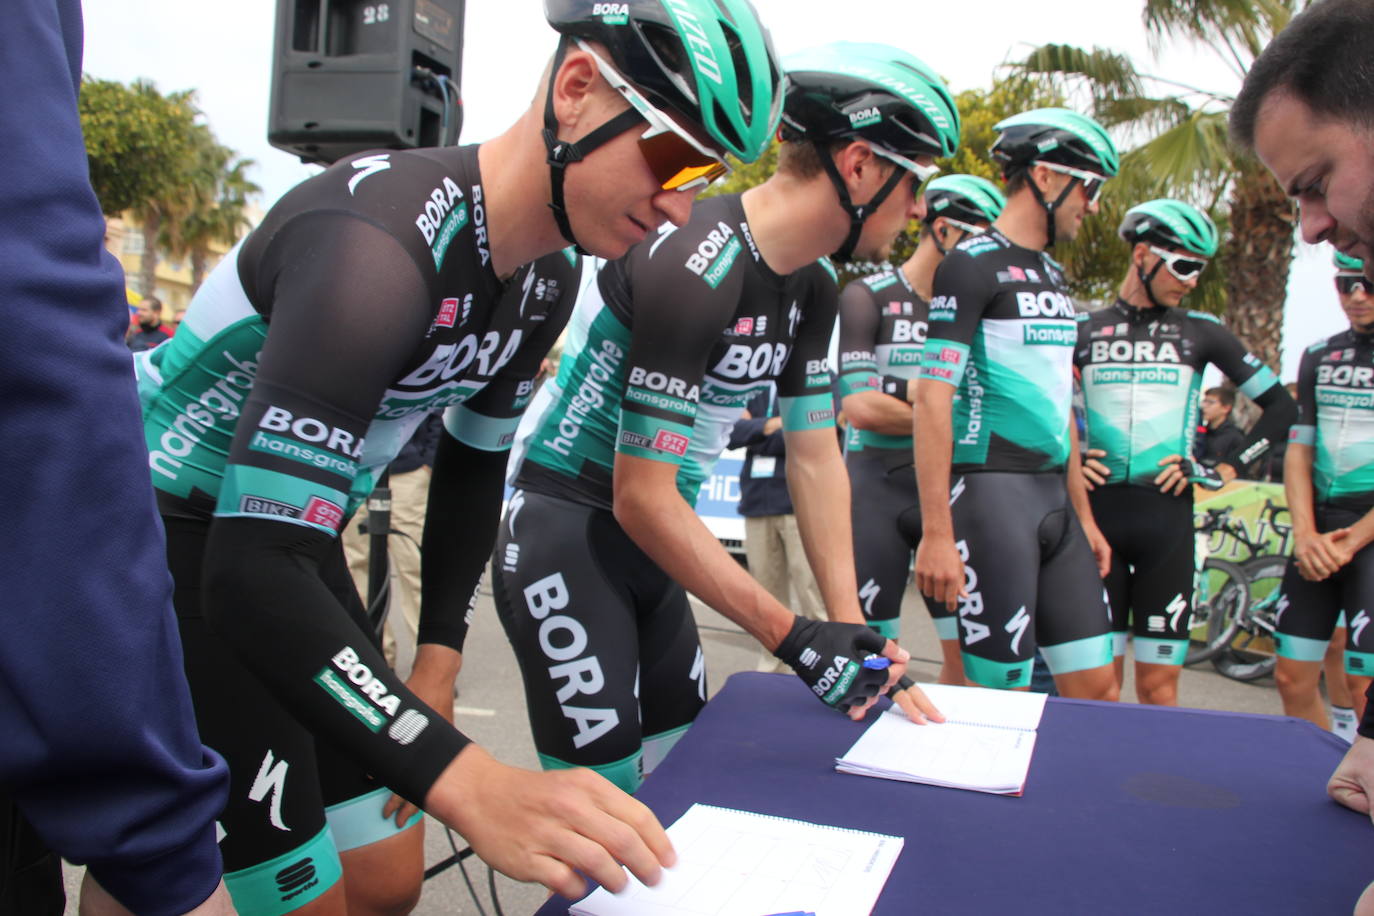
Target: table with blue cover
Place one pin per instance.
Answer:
(1127, 809)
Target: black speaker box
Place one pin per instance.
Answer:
(350, 75)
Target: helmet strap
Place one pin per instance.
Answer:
(561, 154)
(859, 213)
(1147, 281)
(935, 237)
(1051, 208)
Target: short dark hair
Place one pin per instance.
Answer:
(802, 158)
(1225, 395)
(1016, 178)
(1322, 58)
(153, 302)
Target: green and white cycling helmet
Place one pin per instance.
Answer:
(1063, 140)
(1170, 227)
(872, 92)
(1170, 224)
(964, 200)
(709, 64)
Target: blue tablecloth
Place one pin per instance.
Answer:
(1127, 809)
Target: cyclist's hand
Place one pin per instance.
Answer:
(913, 701)
(547, 827)
(1102, 551)
(1095, 473)
(1342, 545)
(1174, 478)
(841, 664)
(1352, 784)
(1316, 556)
(940, 572)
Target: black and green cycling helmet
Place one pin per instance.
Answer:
(872, 92)
(709, 64)
(1055, 135)
(1170, 224)
(1345, 264)
(967, 198)
(1063, 140)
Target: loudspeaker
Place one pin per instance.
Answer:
(350, 75)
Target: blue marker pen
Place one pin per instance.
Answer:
(877, 662)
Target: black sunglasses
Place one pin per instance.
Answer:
(1348, 283)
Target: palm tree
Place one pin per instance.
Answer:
(1187, 155)
(212, 208)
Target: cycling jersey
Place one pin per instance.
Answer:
(681, 333)
(1002, 332)
(364, 301)
(1141, 373)
(1336, 418)
(882, 333)
(712, 325)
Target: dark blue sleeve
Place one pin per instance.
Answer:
(99, 746)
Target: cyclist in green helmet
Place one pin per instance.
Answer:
(282, 399)
(1328, 477)
(600, 540)
(1141, 362)
(883, 321)
(1008, 540)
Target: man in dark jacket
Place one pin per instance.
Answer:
(1219, 435)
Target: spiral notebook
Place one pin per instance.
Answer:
(984, 745)
(738, 863)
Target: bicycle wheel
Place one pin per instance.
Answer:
(1220, 593)
(1249, 654)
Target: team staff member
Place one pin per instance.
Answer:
(1329, 481)
(100, 761)
(1306, 108)
(1003, 539)
(1141, 360)
(600, 539)
(269, 413)
(883, 320)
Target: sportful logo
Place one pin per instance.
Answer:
(296, 878)
(809, 657)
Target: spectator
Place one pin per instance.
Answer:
(147, 331)
(99, 756)
(772, 541)
(1218, 436)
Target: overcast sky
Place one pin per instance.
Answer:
(223, 51)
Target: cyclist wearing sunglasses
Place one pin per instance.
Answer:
(883, 320)
(1329, 481)
(600, 542)
(286, 394)
(1141, 362)
(1003, 528)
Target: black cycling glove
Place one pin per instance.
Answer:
(830, 657)
(1201, 474)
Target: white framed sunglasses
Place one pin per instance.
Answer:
(966, 227)
(922, 172)
(679, 161)
(1182, 266)
(1092, 182)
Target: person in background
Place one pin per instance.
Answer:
(147, 331)
(1218, 436)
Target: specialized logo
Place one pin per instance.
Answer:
(957, 490)
(563, 640)
(1175, 610)
(444, 214)
(367, 166)
(271, 779)
(715, 254)
(1357, 626)
(694, 36)
(612, 13)
(868, 594)
(1017, 627)
(296, 878)
(865, 117)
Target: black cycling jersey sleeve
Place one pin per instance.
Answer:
(337, 336)
(1279, 411)
(807, 372)
(961, 295)
(465, 492)
(1307, 389)
(859, 322)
